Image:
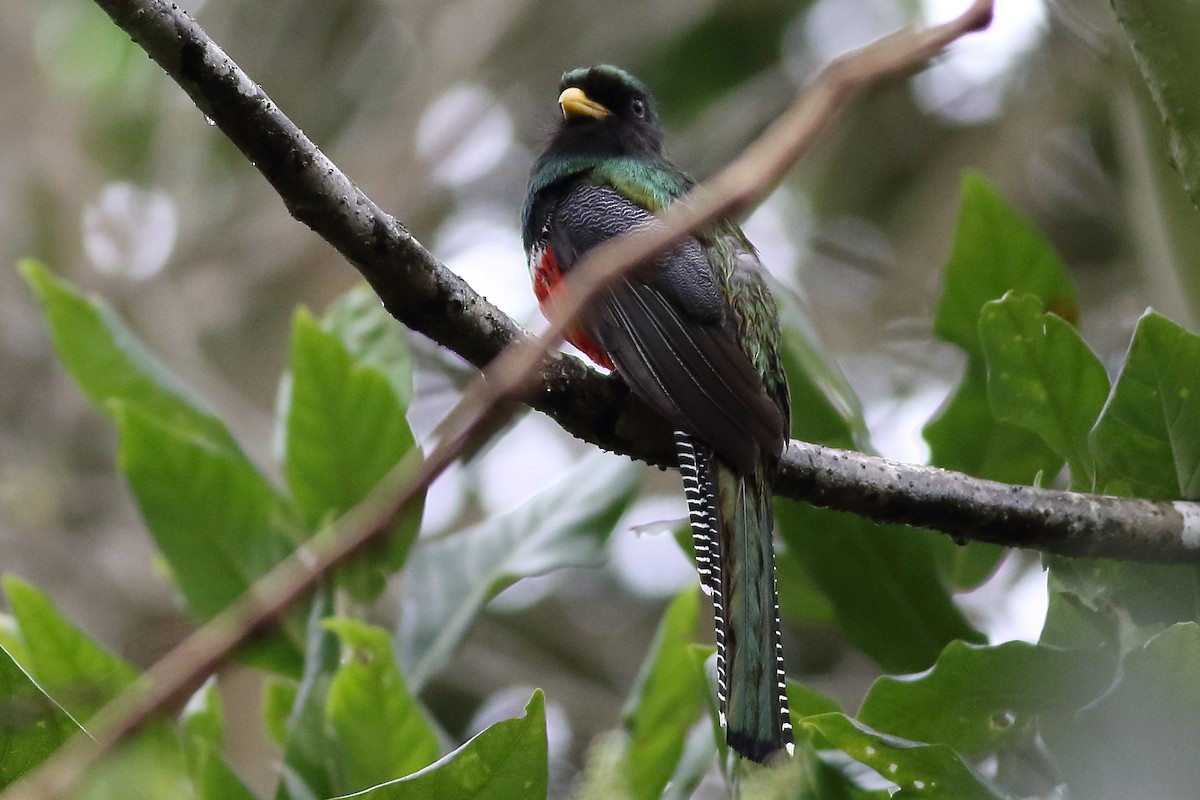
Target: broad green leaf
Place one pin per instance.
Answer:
(373, 336)
(345, 429)
(1149, 432)
(965, 436)
(972, 563)
(931, 771)
(279, 697)
(32, 726)
(804, 701)
(995, 251)
(379, 731)
(1164, 36)
(448, 581)
(311, 767)
(1044, 378)
(1138, 740)
(202, 738)
(110, 364)
(666, 701)
(1135, 594)
(66, 662)
(697, 760)
(201, 720)
(505, 762)
(1072, 623)
(887, 591)
(825, 408)
(10, 639)
(882, 584)
(150, 766)
(603, 776)
(799, 597)
(805, 775)
(213, 778)
(704, 665)
(218, 522)
(82, 676)
(974, 697)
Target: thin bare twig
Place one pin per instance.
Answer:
(181, 47)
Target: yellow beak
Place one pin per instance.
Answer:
(577, 104)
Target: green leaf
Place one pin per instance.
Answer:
(995, 251)
(603, 776)
(1073, 623)
(379, 730)
(202, 739)
(975, 697)
(1138, 739)
(965, 436)
(1135, 594)
(83, 676)
(218, 522)
(888, 593)
(110, 364)
(373, 336)
(970, 564)
(827, 410)
(799, 597)
(697, 760)
(882, 584)
(213, 778)
(32, 726)
(311, 767)
(931, 771)
(805, 775)
(448, 581)
(1164, 36)
(1044, 378)
(804, 701)
(10, 639)
(665, 702)
(151, 766)
(704, 665)
(345, 429)
(201, 720)
(1149, 432)
(505, 762)
(66, 662)
(279, 696)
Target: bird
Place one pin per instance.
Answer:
(695, 334)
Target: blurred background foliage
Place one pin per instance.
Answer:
(436, 109)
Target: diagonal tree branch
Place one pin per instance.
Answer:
(427, 297)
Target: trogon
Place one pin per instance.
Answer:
(695, 334)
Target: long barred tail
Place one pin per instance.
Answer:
(731, 522)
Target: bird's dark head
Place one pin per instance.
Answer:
(607, 111)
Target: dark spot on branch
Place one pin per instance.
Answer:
(191, 60)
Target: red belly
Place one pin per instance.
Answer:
(548, 279)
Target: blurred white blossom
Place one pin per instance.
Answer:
(129, 231)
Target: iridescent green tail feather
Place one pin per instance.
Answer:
(732, 524)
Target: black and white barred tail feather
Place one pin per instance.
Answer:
(701, 496)
(731, 524)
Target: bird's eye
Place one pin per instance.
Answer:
(639, 108)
